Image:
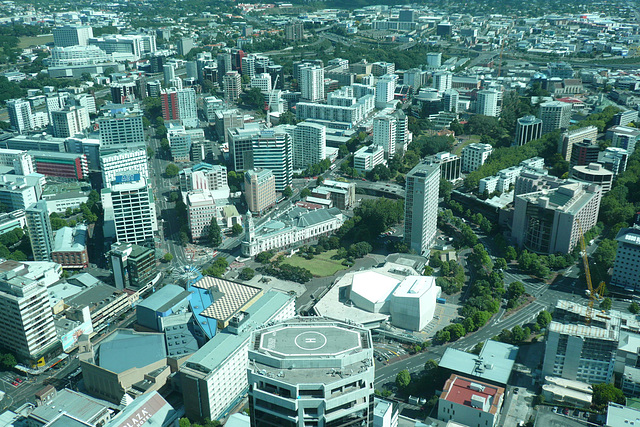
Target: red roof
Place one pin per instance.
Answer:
(458, 390)
(571, 100)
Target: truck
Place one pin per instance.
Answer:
(441, 300)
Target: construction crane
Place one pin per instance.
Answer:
(594, 294)
(270, 100)
(501, 51)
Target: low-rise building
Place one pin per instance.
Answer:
(70, 247)
(567, 392)
(201, 210)
(368, 157)
(469, 402)
(105, 304)
(341, 194)
(474, 155)
(493, 365)
(593, 173)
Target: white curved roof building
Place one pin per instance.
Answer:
(413, 302)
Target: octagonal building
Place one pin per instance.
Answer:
(311, 372)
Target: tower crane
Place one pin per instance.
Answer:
(594, 294)
(270, 95)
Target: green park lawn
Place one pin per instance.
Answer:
(28, 41)
(470, 140)
(321, 265)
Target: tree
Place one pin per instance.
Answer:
(174, 196)
(319, 180)
(264, 257)
(183, 237)
(606, 304)
(247, 274)
(403, 379)
(236, 230)
(8, 361)
(634, 308)
(287, 192)
(605, 393)
(515, 290)
(214, 234)
(445, 189)
(510, 253)
(167, 257)
(343, 151)
(184, 422)
(305, 193)
(171, 170)
(150, 152)
(544, 318)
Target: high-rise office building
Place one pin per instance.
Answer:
(317, 373)
(555, 115)
(384, 134)
(421, 206)
(294, 31)
(115, 162)
(311, 82)
(385, 90)
(19, 160)
(40, 232)
(614, 159)
(122, 92)
(129, 210)
(26, 318)
(70, 121)
(309, 144)
(201, 211)
(259, 189)
(442, 81)
(450, 99)
(20, 115)
(185, 45)
(121, 128)
(72, 36)
(626, 267)
(133, 266)
(272, 149)
(489, 102)
(232, 83)
(528, 128)
(584, 153)
(571, 137)
(434, 59)
(624, 137)
(180, 104)
(169, 73)
(368, 157)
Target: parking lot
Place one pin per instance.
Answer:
(546, 417)
(13, 380)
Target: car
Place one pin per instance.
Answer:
(555, 409)
(576, 413)
(516, 390)
(585, 415)
(18, 380)
(13, 383)
(566, 411)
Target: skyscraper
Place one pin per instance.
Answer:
(40, 232)
(121, 129)
(70, 121)
(450, 99)
(26, 319)
(312, 82)
(385, 90)
(20, 115)
(555, 115)
(129, 210)
(384, 134)
(180, 104)
(528, 128)
(421, 206)
(442, 81)
(232, 83)
(309, 144)
(488, 103)
(272, 149)
(115, 162)
(72, 36)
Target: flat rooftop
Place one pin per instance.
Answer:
(228, 297)
(309, 340)
(494, 363)
(461, 391)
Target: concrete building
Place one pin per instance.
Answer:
(64, 165)
(577, 351)
(26, 318)
(421, 206)
(309, 144)
(555, 115)
(584, 153)
(294, 228)
(547, 221)
(507, 177)
(180, 104)
(115, 162)
(259, 189)
(368, 157)
(442, 81)
(40, 233)
(624, 137)
(71, 35)
(70, 121)
(17, 195)
(450, 165)
(125, 363)
(341, 194)
(121, 127)
(185, 45)
(206, 177)
(413, 302)
(67, 407)
(129, 210)
(232, 84)
(593, 173)
(297, 371)
(311, 82)
(385, 413)
(450, 100)
(489, 102)
(474, 155)
(385, 90)
(214, 379)
(151, 407)
(567, 392)
(528, 128)
(623, 118)
(384, 134)
(626, 267)
(20, 160)
(133, 266)
(201, 210)
(261, 81)
(70, 247)
(471, 403)
(179, 142)
(434, 59)
(493, 364)
(294, 30)
(614, 159)
(20, 115)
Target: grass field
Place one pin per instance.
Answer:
(25, 42)
(321, 265)
(471, 139)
